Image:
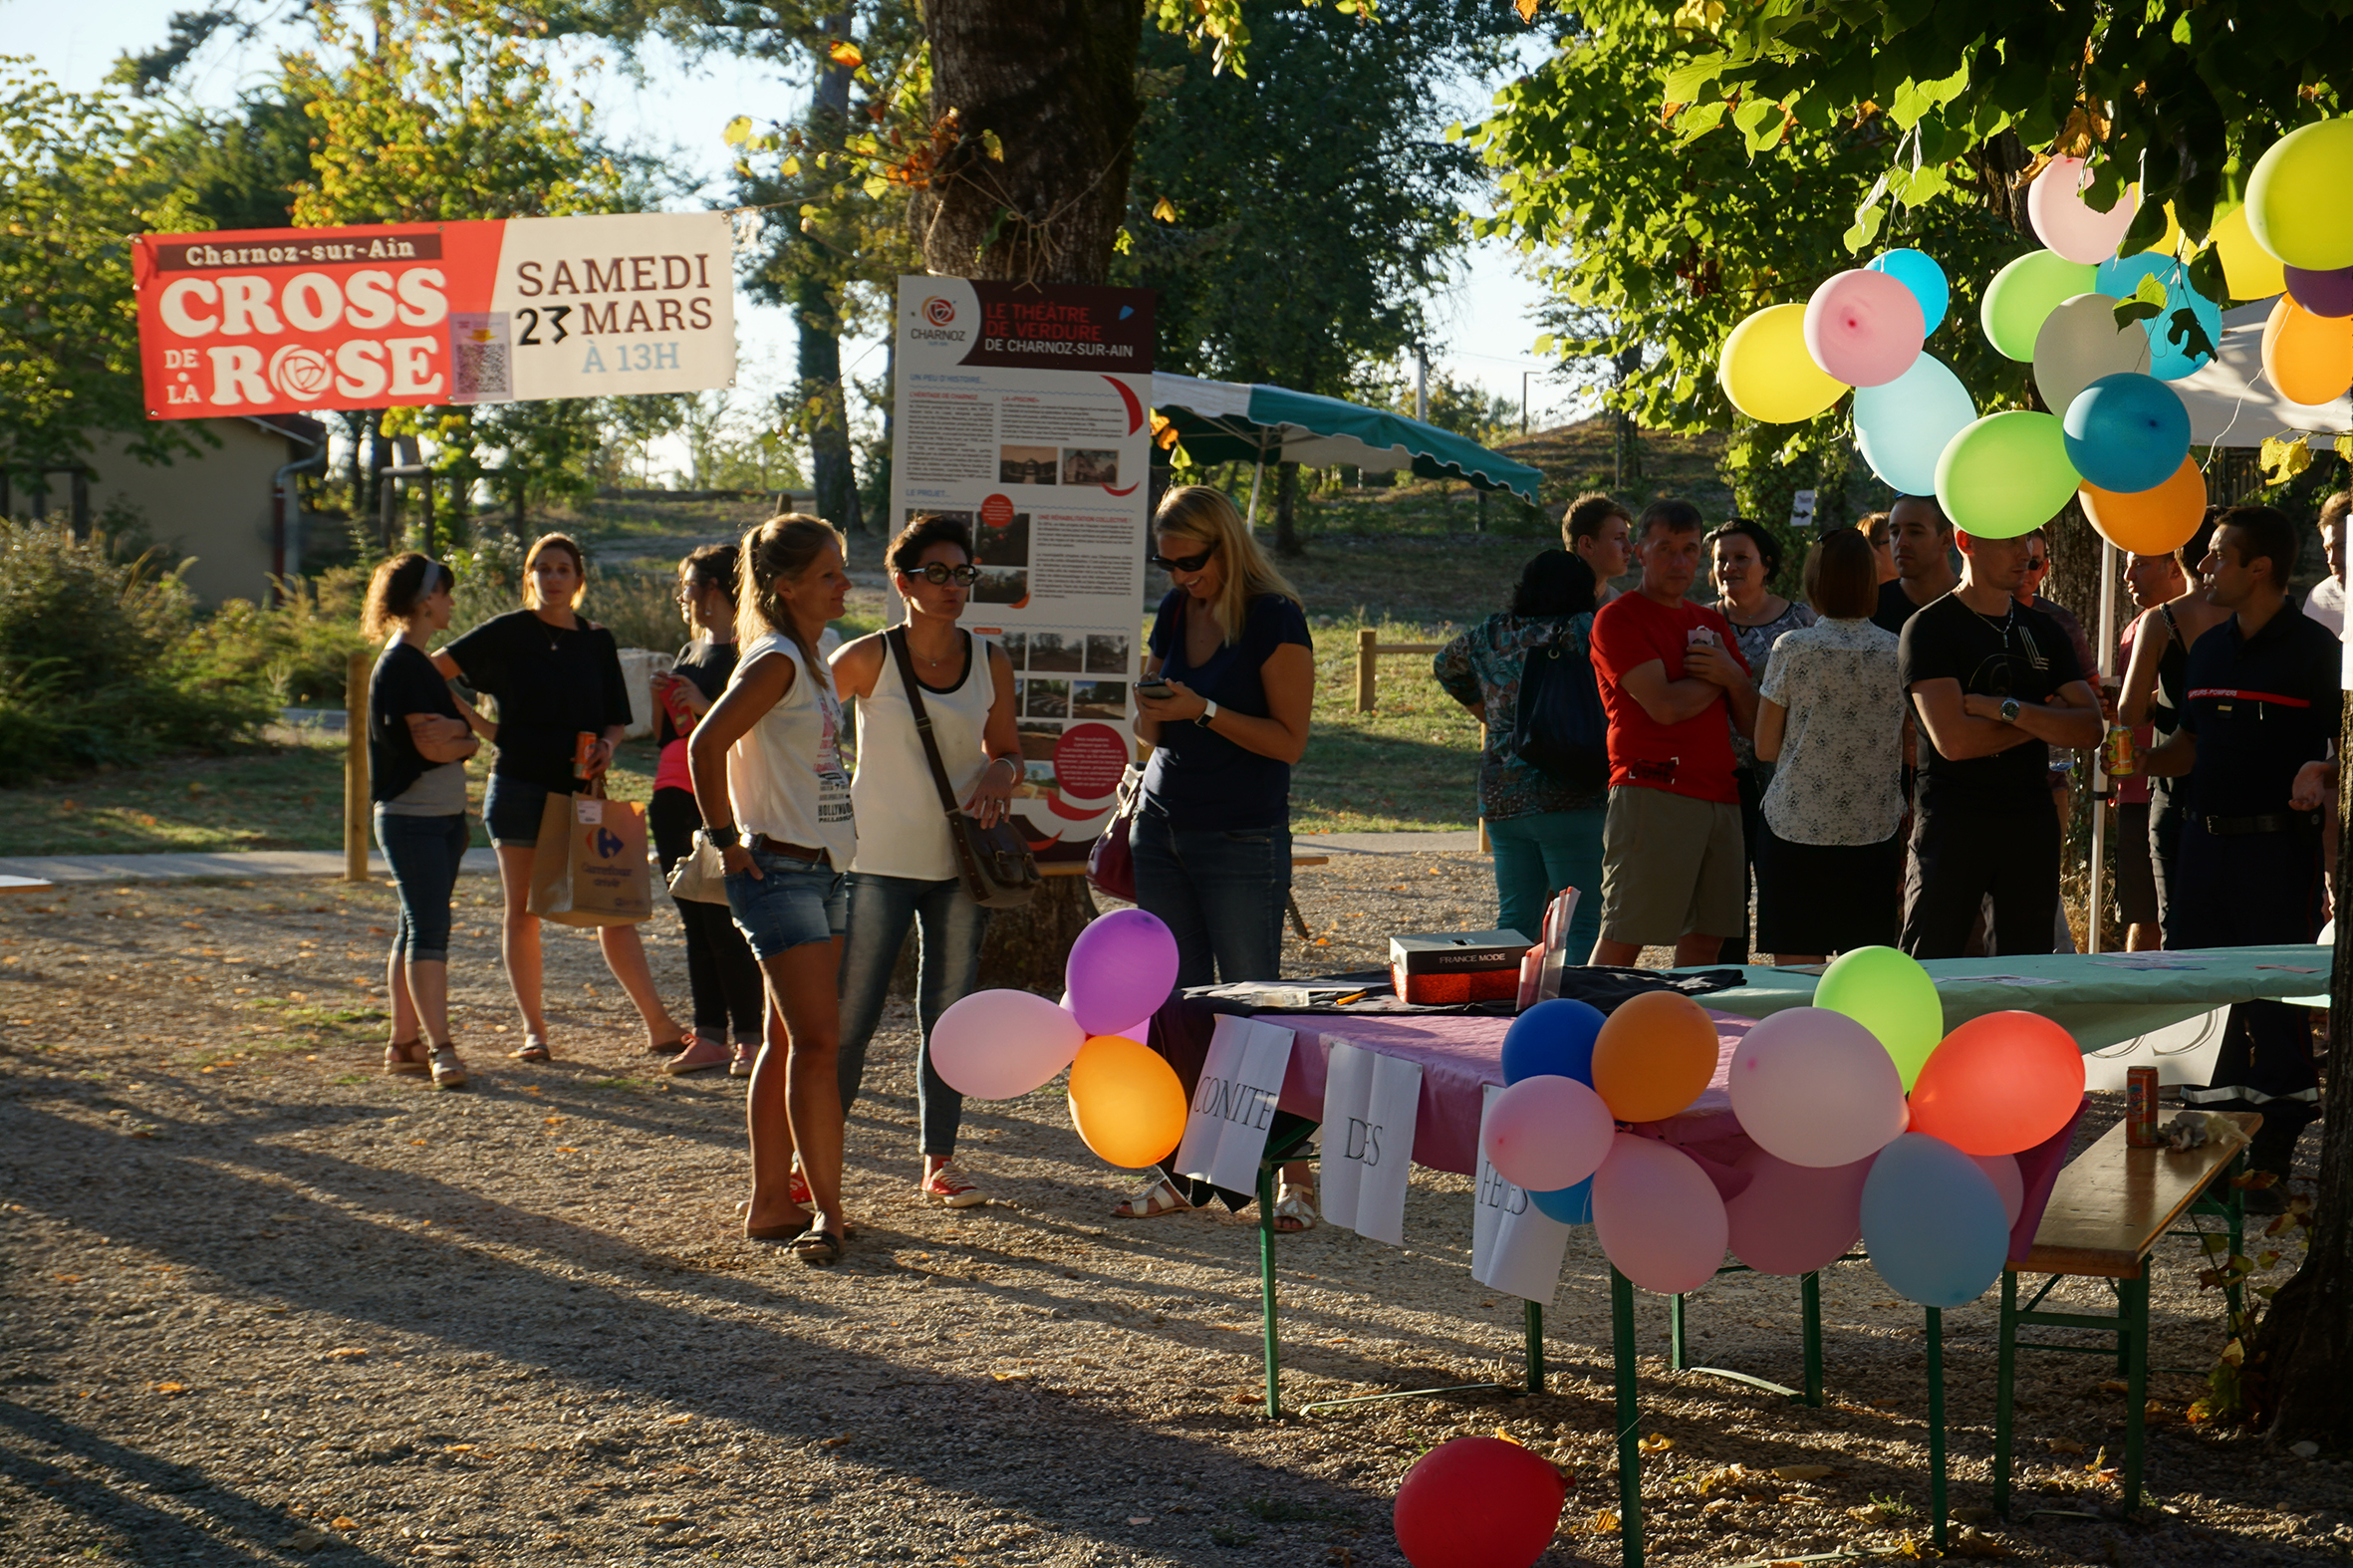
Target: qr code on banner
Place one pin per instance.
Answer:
(481, 357)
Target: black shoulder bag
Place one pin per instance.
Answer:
(1558, 726)
(998, 869)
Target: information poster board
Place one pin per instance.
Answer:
(1027, 412)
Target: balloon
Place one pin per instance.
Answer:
(2308, 357)
(2000, 1083)
(2078, 344)
(1932, 1222)
(1000, 1045)
(1478, 1503)
(1766, 372)
(2007, 474)
(1919, 272)
(2065, 222)
(2250, 271)
(1904, 426)
(1815, 1087)
(1121, 969)
(1887, 991)
(2322, 293)
(1654, 1056)
(2170, 242)
(2002, 1172)
(1126, 1101)
(2023, 294)
(1545, 1133)
(1793, 1219)
(2171, 350)
(2295, 198)
(1553, 1037)
(1657, 1216)
(1139, 1031)
(1571, 1205)
(1864, 327)
(2150, 522)
(2127, 433)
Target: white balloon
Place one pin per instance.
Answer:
(2079, 342)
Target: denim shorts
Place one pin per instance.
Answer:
(511, 809)
(789, 905)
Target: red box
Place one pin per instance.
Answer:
(1439, 968)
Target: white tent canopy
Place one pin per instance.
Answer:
(2231, 402)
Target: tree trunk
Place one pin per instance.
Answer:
(823, 398)
(1286, 506)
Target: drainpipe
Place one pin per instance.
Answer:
(282, 514)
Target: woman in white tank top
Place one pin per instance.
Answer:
(767, 768)
(905, 872)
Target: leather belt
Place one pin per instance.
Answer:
(2271, 822)
(761, 844)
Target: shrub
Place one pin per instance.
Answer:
(294, 652)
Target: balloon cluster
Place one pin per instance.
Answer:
(1125, 1098)
(2116, 435)
(1866, 1121)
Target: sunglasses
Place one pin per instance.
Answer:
(941, 572)
(1184, 563)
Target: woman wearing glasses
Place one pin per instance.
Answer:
(906, 871)
(1224, 704)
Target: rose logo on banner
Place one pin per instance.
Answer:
(939, 311)
(1370, 1102)
(1515, 1247)
(1234, 1104)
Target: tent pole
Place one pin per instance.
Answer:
(2106, 650)
(1257, 472)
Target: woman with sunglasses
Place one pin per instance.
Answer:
(904, 872)
(1224, 703)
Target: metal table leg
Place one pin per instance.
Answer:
(1629, 1421)
(2006, 1376)
(1809, 1296)
(1935, 1340)
(1535, 1315)
(1274, 1407)
(2133, 1307)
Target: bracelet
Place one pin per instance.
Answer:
(1208, 712)
(728, 837)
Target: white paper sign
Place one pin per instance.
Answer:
(1234, 1103)
(1514, 1246)
(1370, 1102)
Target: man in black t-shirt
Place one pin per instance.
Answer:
(1993, 686)
(1921, 540)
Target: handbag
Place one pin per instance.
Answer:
(1111, 861)
(1558, 726)
(702, 875)
(588, 867)
(998, 869)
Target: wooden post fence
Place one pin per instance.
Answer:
(354, 768)
(1368, 648)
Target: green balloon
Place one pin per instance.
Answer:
(2006, 475)
(1891, 995)
(2023, 293)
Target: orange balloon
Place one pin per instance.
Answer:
(2150, 522)
(1126, 1101)
(1654, 1056)
(1999, 1084)
(2308, 357)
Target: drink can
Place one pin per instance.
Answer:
(2116, 753)
(2139, 1106)
(584, 752)
(673, 697)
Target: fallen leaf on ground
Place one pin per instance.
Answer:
(1655, 1442)
(2065, 1445)
(1802, 1473)
(1975, 1543)
(172, 1388)
(348, 1353)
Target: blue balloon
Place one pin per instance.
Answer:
(2174, 348)
(1917, 271)
(1555, 1037)
(2127, 433)
(1904, 426)
(1932, 1222)
(1571, 1205)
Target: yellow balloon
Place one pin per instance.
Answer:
(1126, 1101)
(2296, 204)
(2308, 357)
(2251, 272)
(1768, 373)
(2168, 243)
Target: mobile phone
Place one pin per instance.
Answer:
(1151, 687)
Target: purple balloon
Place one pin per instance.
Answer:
(2322, 293)
(1122, 967)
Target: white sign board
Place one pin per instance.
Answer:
(1515, 1247)
(1370, 1105)
(1233, 1104)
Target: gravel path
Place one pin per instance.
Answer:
(265, 1306)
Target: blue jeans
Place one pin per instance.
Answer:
(424, 854)
(1222, 892)
(791, 904)
(947, 924)
(1535, 857)
(511, 810)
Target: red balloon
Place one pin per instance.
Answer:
(1998, 1084)
(1478, 1503)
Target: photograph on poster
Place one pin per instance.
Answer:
(1001, 585)
(1038, 740)
(1006, 546)
(1057, 650)
(1099, 699)
(1106, 653)
(1088, 465)
(1026, 464)
(1016, 646)
(1045, 698)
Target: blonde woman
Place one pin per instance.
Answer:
(555, 676)
(767, 769)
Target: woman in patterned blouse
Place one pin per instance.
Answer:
(1546, 833)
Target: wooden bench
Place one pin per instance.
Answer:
(15, 884)
(2110, 1206)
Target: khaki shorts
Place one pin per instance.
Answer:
(1669, 868)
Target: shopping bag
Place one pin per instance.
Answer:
(589, 869)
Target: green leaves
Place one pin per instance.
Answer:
(2147, 303)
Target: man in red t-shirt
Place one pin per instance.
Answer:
(1670, 675)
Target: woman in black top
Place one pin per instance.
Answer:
(555, 676)
(417, 744)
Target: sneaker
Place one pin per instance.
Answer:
(947, 1187)
(701, 1055)
(740, 1064)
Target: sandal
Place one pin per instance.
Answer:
(404, 1058)
(1294, 1208)
(1155, 1197)
(790, 1230)
(448, 1071)
(671, 1047)
(818, 1248)
(533, 1049)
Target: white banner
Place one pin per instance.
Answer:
(1370, 1103)
(1234, 1104)
(1514, 1246)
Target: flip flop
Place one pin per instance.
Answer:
(818, 1248)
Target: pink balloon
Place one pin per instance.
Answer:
(1122, 967)
(2062, 221)
(1816, 1088)
(1657, 1216)
(1000, 1045)
(2008, 1180)
(1793, 1219)
(1546, 1133)
(1140, 1031)
(1864, 328)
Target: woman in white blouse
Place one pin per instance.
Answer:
(1830, 718)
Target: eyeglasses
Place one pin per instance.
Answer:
(2036, 563)
(1184, 563)
(941, 572)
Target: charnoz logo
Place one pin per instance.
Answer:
(939, 311)
(606, 843)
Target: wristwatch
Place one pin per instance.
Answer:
(726, 838)
(2009, 711)
(1208, 712)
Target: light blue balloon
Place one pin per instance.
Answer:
(2127, 433)
(1903, 426)
(2172, 351)
(1572, 1205)
(1553, 1038)
(1932, 1222)
(1919, 272)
